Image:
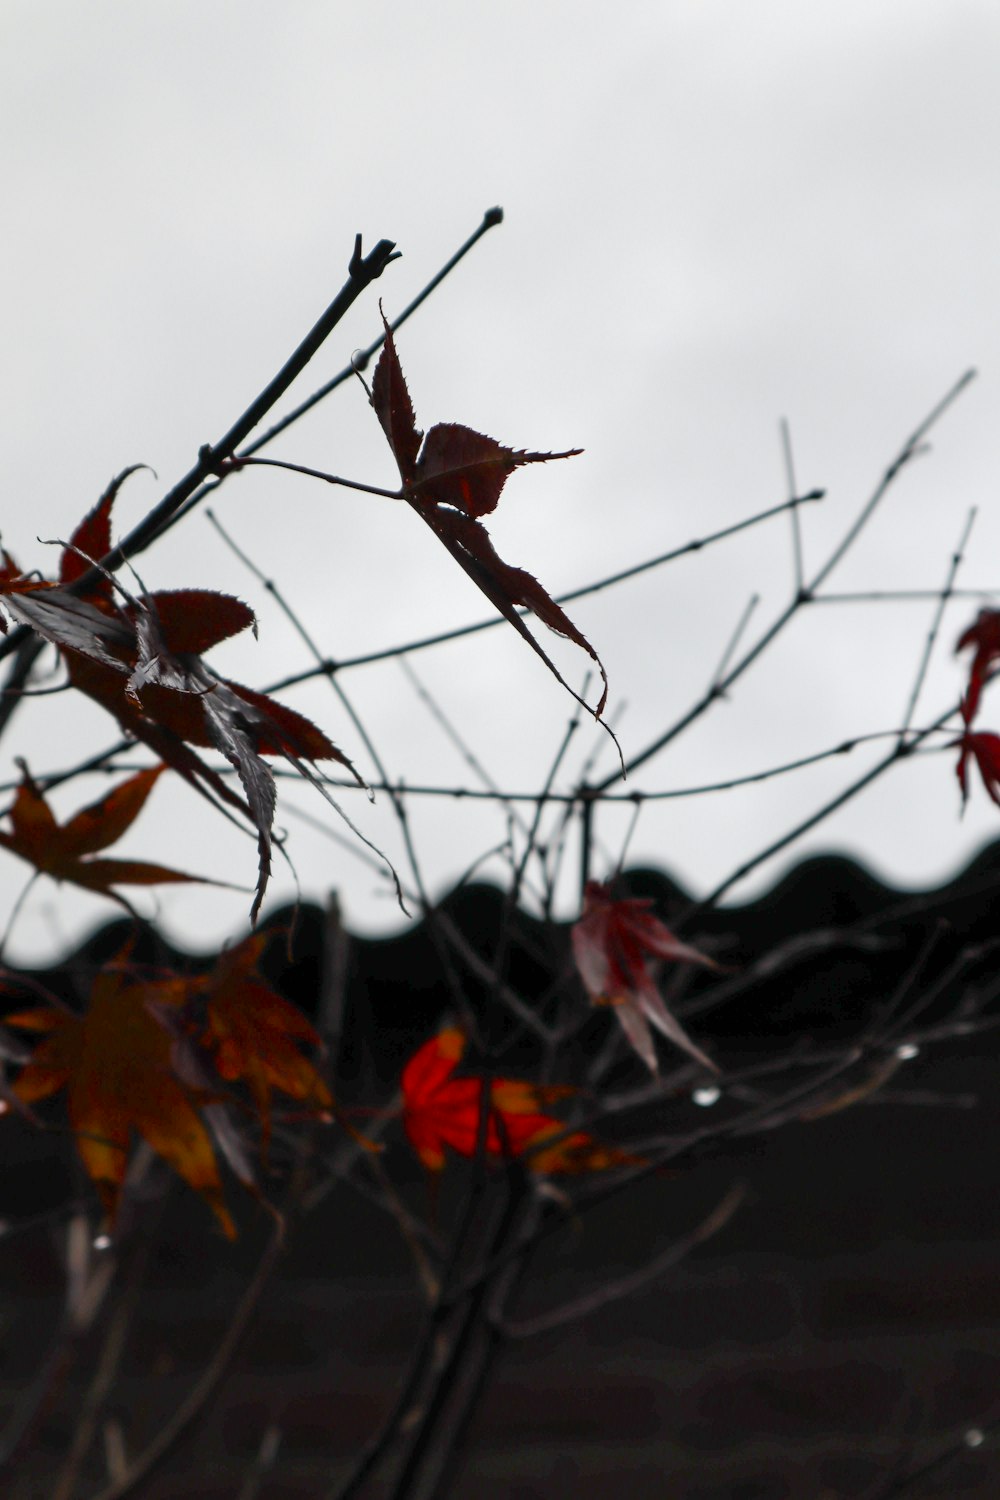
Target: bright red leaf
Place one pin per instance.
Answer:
(612, 943)
(442, 1110)
(455, 477)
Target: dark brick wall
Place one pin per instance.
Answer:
(848, 1314)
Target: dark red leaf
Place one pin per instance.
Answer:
(457, 477)
(984, 634)
(467, 469)
(142, 662)
(194, 620)
(394, 409)
(93, 537)
(469, 543)
(984, 748)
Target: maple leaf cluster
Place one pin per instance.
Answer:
(982, 746)
(160, 1055)
(157, 1055)
(141, 659)
(154, 1055)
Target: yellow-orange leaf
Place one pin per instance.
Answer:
(115, 1063)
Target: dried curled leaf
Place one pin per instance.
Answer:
(455, 477)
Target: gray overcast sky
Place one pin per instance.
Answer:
(717, 215)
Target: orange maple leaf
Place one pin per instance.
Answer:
(611, 944)
(64, 851)
(116, 1063)
(440, 1110)
(252, 1034)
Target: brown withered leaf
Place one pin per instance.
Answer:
(253, 1035)
(65, 851)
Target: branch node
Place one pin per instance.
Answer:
(212, 461)
(366, 268)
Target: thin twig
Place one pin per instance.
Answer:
(759, 1115)
(911, 449)
(906, 453)
(204, 1387)
(491, 218)
(634, 1281)
(425, 1348)
(362, 271)
(543, 798)
(314, 778)
(104, 1374)
(895, 596)
(786, 445)
(484, 971)
(426, 1448)
(236, 465)
(584, 793)
(458, 740)
(734, 640)
(263, 1462)
(973, 1437)
(932, 635)
(847, 794)
(421, 644)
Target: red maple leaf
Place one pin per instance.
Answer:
(441, 1110)
(984, 748)
(455, 477)
(984, 634)
(611, 944)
